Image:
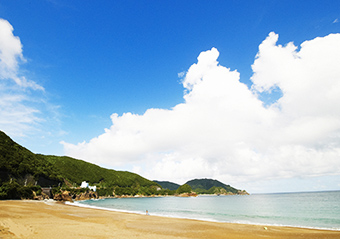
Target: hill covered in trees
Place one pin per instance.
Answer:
(211, 186)
(19, 164)
(168, 185)
(202, 186)
(22, 172)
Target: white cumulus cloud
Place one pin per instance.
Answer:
(10, 57)
(21, 99)
(223, 130)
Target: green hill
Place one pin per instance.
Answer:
(210, 186)
(75, 171)
(168, 185)
(203, 186)
(17, 162)
(22, 172)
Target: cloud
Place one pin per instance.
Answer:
(16, 117)
(22, 101)
(223, 130)
(10, 57)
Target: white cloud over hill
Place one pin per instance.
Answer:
(223, 130)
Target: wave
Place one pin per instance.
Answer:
(79, 204)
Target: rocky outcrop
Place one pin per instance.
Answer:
(42, 196)
(192, 194)
(57, 197)
(86, 196)
(67, 196)
(242, 192)
(64, 196)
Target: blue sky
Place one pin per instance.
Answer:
(96, 59)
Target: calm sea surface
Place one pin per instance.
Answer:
(310, 209)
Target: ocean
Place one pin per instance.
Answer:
(320, 210)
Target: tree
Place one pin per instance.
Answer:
(185, 188)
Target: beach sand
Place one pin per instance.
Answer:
(38, 219)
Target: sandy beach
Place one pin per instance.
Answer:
(38, 219)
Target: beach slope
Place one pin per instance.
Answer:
(38, 219)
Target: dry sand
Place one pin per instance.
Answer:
(37, 219)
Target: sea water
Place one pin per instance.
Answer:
(309, 209)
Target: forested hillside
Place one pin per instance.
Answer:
(19, 164)
(168, 185)
(211, 186)
(202, 186)
(75, 171)
(22, 172)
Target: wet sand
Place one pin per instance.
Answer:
(38, 219)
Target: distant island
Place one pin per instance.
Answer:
(25, 175)
(204, 186)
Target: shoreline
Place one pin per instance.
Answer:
(76, 204)
(41, 219)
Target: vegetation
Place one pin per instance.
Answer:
(168, 185)
(23, 172)
(211, 186)
(17, 162)
(185, 188)
(212, 190)
(75, 171)
(13, 190)
(201, 186)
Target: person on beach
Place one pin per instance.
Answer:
(147, 213)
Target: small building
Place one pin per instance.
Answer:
(47, 191)
(84, 184)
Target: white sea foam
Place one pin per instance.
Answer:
(77, 204)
